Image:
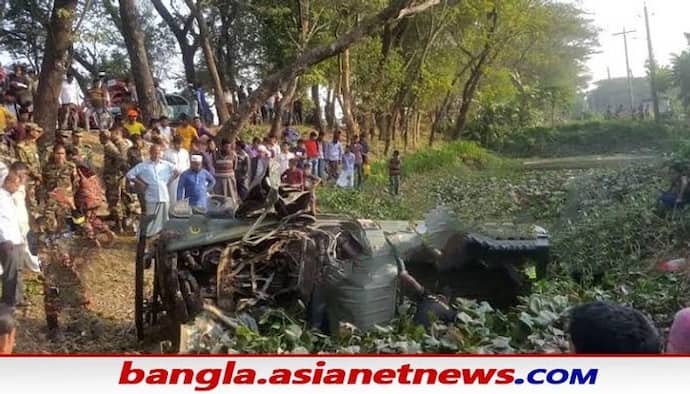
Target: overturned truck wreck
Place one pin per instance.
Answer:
(270, 252)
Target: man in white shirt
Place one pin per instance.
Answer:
(31, 261)
(179, 157)
(334, 154)
(69, 99)
(19, 198)
(154, 177)
(11, 242)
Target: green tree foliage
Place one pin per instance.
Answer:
(681, 77)
(472, 68)
(22, 29)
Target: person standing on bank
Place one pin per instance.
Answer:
(153, 176)
(394, 170)
(226, 164)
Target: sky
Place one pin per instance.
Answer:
(668, 20)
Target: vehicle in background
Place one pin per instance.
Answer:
(121, 101)
(178, 105)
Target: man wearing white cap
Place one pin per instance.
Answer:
(260, 165)
(195, 183)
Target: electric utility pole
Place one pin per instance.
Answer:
(652, 67)
(625, 33)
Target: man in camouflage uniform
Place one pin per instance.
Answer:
(61, 138)
(63, 287)
(129, 195)
(58, 173)
(114, 166)
(135, 155)
(27, 152)
(64, 290)
(80, 153)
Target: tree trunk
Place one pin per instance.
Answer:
(398, 10)
(187, 50)
(395, 116)
(336, 100)
(188, 54)
(476, 71)
(391, 122)
(327, 108)
(54, 66)
(467, 97)
(405, 130)
(381, 121)
(366, 127)
(434, 126)
(284, 103)
(417, 129)
(350, 123)
(318, 113)
(222, 110)
(143, 78)
(372, 128)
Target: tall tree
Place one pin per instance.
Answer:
(55, 64)
(222, 110)
(348, 102)
(138, 57)
(681, 77)
(182, 27)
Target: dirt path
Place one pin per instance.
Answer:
(106, 325)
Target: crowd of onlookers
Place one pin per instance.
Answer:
(146, 169)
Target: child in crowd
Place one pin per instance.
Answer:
(312, 147)
(394, 167)
(311, 181)
(284, 157)
(347, 177)
(359, 160)
(293, 177)
(301, 153)
(602, 328)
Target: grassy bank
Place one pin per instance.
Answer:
(590, 138)
(420, 171)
